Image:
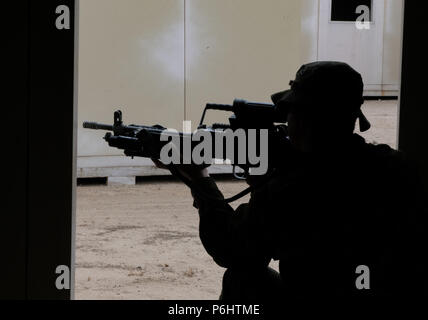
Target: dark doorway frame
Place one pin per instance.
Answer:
(39, 134)
(413, 115)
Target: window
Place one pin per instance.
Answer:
(345, 10)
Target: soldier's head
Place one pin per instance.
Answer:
(322, 105)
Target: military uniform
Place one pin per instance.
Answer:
(321, 215)
(322, 218)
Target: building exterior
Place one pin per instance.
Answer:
(161, 61)
(375, 52)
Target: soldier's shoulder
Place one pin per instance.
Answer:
(383, 150)
(388, 156)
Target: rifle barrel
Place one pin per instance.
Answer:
(98, 126)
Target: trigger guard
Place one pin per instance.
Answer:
(238, 176)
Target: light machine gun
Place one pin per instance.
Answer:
(146, 141)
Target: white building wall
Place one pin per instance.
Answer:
(309, 30)
(133, 55)
(160, 61)
(392, 46)
(376, 53)
(246, 49)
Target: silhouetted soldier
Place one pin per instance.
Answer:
(335, 204)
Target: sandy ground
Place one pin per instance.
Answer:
(141, 242)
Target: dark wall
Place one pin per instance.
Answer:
(14, 151)
(413, 137)
(36, 228)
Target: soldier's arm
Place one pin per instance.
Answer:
(231, 237)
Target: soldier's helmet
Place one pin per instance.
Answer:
(326, 87)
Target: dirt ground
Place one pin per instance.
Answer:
(141, 242)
